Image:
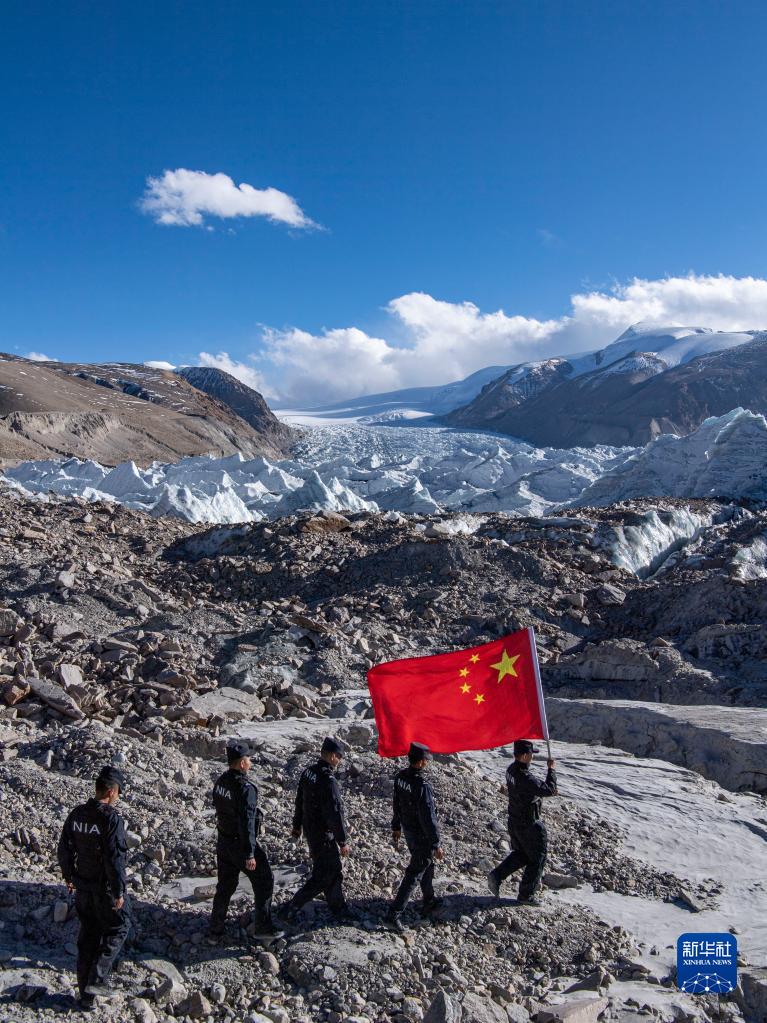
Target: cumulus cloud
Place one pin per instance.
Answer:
(248, 374)
(39, 357)
(183, 198)
(722, 303)
(159, 364)
(438, 342)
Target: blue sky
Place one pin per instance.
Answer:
(509, 155)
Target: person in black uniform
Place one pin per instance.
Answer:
(238, 820)
(320, 815)
(414, 814)
(91, 854)
(526, 829)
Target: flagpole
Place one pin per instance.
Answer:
(539, 687)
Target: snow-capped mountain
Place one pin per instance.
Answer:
(649, 381)
(397, 406)
(674, 345)
(480, 400)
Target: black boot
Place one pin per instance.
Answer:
(393, 922)
(265, 930)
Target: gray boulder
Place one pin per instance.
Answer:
(443, 1009)
(481, 1010)
(229, 704)
(55, 697)
(580, 1010)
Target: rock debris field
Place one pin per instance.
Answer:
(148, 642)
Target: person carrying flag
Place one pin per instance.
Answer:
(527, 831)
(414, 813)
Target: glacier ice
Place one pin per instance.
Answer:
(725, 457)
(339, 468)
(750, 562)
(643, 545)
(428, 470)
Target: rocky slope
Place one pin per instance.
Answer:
(147, 642)
(638, 388)
(241, 399)
(120, 411)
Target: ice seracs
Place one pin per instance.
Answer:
(431, 470)
(642, 545)
(352, 468)
(725, 457)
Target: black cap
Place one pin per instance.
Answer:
(522, 746)
(418, 751)
(110, 776)
(236, 750)
(331, 745)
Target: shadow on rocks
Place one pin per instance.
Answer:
(31, 911)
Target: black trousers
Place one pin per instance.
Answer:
(231, 864)
(326, 878)
(103, 930)
(528, 849)
(420, 870)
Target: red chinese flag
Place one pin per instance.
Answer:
(478, 698)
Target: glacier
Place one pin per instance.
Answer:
(406, 469)
(726, 457)
(430, 470)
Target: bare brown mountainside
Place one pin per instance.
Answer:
(118, 411)
(627, 403)
(244, 400)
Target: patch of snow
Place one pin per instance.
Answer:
(640, 362)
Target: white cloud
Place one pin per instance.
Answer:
(438, 342)
(722, 303)
(182, 197)
(39, 357)
(242, 371)
(159, 364)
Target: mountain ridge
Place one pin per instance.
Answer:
(640, 386)
(117, 411)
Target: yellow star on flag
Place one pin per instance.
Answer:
(479, 698)
(465, 688)
(474, 658)
(463, 672)
(505, 666)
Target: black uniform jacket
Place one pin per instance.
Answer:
(238, 817)
(319, 810)
(92, 849)
(414, 811)
(526, 792)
